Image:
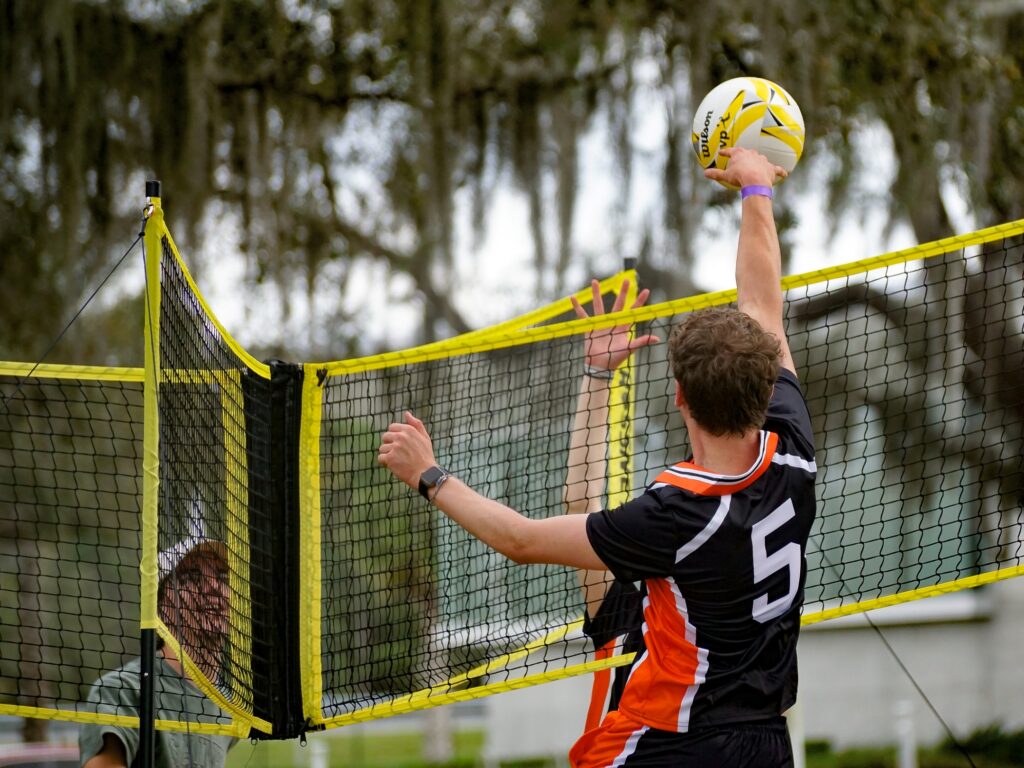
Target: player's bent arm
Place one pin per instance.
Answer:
(759, 271)
(559, 540)
(112, 755)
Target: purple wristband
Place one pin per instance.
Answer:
(756, 189)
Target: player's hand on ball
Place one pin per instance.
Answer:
(746, 167)
(406, 450)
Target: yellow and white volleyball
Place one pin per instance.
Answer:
(748, 112)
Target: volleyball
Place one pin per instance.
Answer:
(748, 112)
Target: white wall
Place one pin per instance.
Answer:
(962, 649)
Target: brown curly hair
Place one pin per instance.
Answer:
(726, 365)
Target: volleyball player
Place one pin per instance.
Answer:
(717, 542)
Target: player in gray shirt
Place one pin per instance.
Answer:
(193, 602)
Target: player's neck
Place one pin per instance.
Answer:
(171, 659)
(724, 454)
(198, 658)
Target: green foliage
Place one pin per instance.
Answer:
(989, 747)
(342, 132)
(880, 757)
(357, 749)
(992, 743)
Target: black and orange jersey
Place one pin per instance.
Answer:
(722, 563)
(615, 631)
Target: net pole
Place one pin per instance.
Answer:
(151, 478)
(147, 717)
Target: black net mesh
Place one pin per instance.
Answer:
(409, 599)
(70, 491)
(912, 376)
(214, 440)
(912, 372)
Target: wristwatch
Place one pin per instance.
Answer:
(432, 478)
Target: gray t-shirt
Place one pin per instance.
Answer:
(175, 698)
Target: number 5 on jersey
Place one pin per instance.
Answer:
(765, 565)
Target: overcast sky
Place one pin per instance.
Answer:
(496, 280)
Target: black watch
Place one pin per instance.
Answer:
(431, 478)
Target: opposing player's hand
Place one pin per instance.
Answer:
(406, 450)
(746, 167)
(607, 348)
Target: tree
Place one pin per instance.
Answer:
(339, 135)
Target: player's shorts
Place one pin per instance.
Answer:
(619, 741)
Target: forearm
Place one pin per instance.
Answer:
(111, 755)
(495, 524)
(759, 271)
(560, 540)
(759, 262)
(585, 473)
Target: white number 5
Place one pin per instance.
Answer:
(765, 565)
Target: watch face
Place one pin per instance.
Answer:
(430, 477)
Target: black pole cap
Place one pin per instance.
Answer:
(627, 263)
(152, 188)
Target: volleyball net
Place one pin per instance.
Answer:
(348, 597)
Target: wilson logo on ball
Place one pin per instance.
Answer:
(748, 112)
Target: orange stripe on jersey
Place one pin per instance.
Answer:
(599, 691)
(692, 478)
(656, 692)
(615, 740)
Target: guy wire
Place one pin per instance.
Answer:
(49, 349)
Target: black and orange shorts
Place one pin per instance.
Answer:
(620, 741)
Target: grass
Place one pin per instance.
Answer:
(357, 750)
(989, 748)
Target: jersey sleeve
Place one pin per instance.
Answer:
(788, 413)
(636, 541)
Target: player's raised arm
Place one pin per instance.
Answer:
(585, 478)
(758, 256)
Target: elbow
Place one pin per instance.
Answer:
(521, 545)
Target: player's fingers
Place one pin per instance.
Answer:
(415, 423)
(397, 433)
(641, 298)
(715, 174)
(595, 290)
(727, 151)
(643, 341)
(620, 297)
(394, 433)
(578, 308)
